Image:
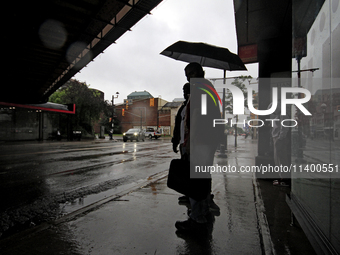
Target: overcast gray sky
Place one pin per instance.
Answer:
(134, 62)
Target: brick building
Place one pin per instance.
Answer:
(171, 108)
(140, 109)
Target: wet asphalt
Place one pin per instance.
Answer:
(254, 219)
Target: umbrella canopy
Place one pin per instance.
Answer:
(205, 54)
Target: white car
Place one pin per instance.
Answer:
(151, 133)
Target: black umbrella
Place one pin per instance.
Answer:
(205, 54)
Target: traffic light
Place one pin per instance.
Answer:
(152, 102)
(123, 112)
(110, 119)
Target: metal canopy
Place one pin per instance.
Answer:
(45, 43)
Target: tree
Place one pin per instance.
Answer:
(89, 105)
(238, 82)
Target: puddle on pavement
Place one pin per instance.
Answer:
(88, 157)
(76, 204)
(81, 202)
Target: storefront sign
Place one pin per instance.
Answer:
(248, 53)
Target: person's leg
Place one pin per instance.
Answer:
(199, 210)
(198, 217)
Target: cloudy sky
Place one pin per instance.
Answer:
(134, 62)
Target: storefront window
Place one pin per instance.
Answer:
(18, 124)
(316, 67)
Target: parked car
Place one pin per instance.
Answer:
(151, 133)
(134, 134)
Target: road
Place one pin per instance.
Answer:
(141, 220)
(42, 182)
(112, 198)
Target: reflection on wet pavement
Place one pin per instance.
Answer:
(144, 224)
(143, 221)
(34, 181)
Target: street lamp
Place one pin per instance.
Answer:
(113, 105)
(113, 114)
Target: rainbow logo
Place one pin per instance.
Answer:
(209, 93)
(212, 93)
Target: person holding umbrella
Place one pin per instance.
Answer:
(200, 150)
(203, 142)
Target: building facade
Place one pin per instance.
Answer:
(143, 112)
(20, 122)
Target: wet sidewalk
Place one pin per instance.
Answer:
(142, 221)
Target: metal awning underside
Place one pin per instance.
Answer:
(48, 107)
(264, 19)
(45, 43)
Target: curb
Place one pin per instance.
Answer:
(151, 179)
(264, 231)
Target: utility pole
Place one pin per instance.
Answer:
(224, 144)
(236, 131)
(113, 114)
(113, 106)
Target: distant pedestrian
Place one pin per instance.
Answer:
(111, 134)
(58, 135)
(280, 144)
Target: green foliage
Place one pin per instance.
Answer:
(89, 105)
(57, 97)
(238, 82)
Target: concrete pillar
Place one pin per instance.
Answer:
(275, 57)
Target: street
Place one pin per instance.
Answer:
(110, 197)
(100, 198)
(42, 182)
